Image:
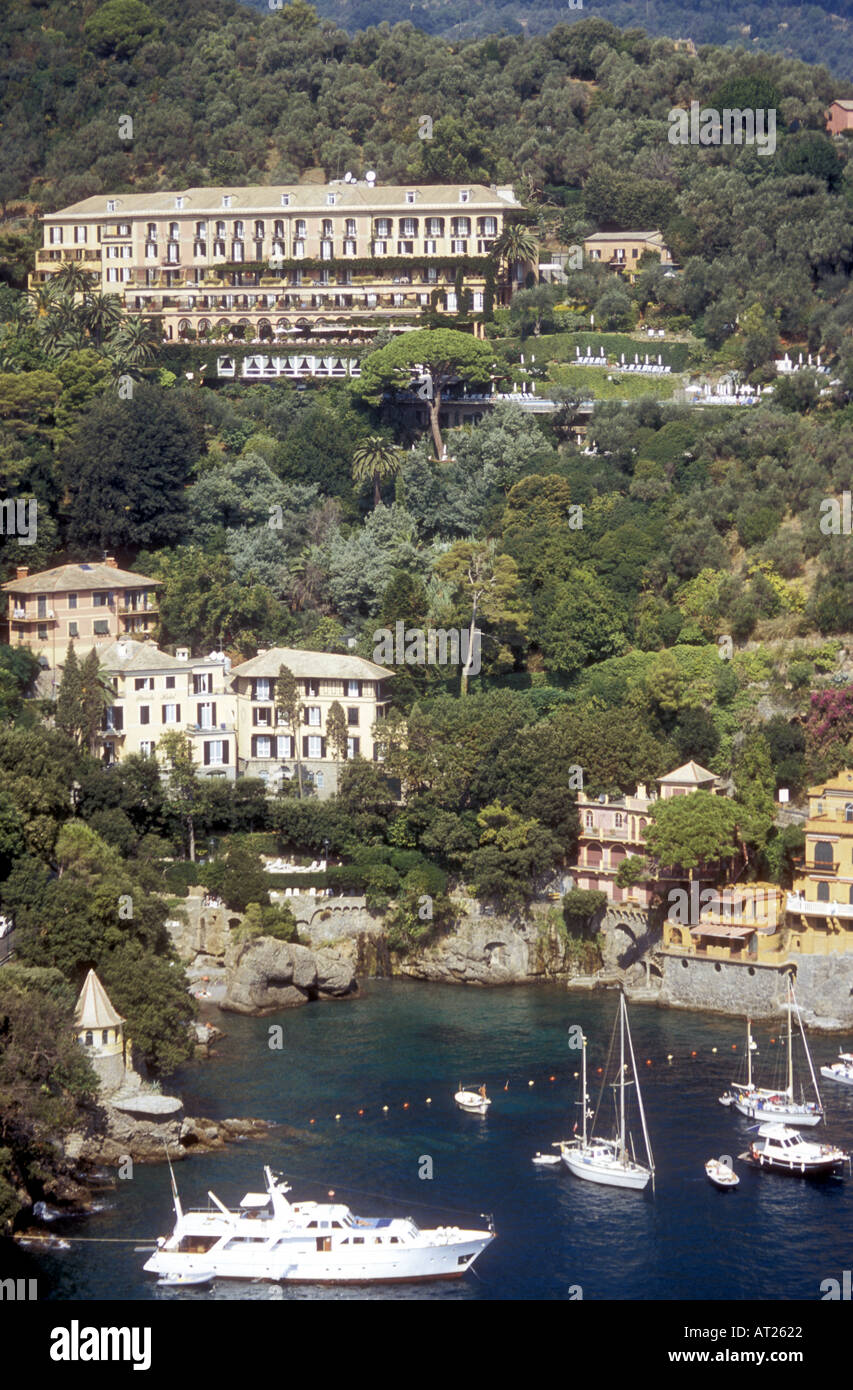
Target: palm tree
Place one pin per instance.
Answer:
(135, 343)
(375, 458)
(42, 298)
(515, 244)
(101, 314)
(72, 279)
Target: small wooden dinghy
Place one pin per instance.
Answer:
(546, 1160)
(721, 1174)
(475, 1102)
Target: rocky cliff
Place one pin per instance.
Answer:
(490, 950)
(263, 975)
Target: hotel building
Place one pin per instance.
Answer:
(156, 693)
(820, 904)
(88, 605)
(612, 828)
(276, 259)
(267, 747)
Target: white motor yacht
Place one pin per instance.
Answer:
(783, 1150)
(842, 1070)
(272, 1238)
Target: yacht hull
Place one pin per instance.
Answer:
(845, 1076)
(329, 1267)
(607, 1174)
(794, 1169)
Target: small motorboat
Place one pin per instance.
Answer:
(546, 1160)
(727, 1099)
(842, 1070)
(476, 1102)
(721, 1174)
(785, 1151)
(185, 1278)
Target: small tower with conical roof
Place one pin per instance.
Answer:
(101, 1032)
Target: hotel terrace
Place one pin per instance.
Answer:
(276, 260)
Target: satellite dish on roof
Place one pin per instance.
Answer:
(371, 176)
(348, 176)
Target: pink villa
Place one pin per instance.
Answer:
(839, 117)
(612, 828)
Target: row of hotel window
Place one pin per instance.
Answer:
(206, 716)
(100, 628)
(311, 714)
(136, 599)
(263, 687)
(383, 227)
(216, 752)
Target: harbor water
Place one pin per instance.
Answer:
(402, 1043)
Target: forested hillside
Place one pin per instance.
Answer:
(819, 32)
(218, 93)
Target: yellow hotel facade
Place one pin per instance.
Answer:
(760, 922)
(280, 258)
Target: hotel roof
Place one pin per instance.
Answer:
(622, 236)
(320, 665)
(302, 197)
(71, 578)
(125, 654)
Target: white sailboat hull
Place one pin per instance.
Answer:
(605, 1168)
(783, 1112)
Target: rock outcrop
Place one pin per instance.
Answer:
(480, 951)
(113, 1135)
(264, 975)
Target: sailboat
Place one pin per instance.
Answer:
(779, 1106)
(607, 1161)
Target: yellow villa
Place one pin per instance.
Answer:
(820, 904)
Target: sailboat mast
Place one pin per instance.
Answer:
(807, 1051)
(646, 1139)
(790, 1049)
(749, 1053)
(622, 1077)
(583, 1089)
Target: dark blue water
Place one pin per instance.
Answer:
(775, 1237)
